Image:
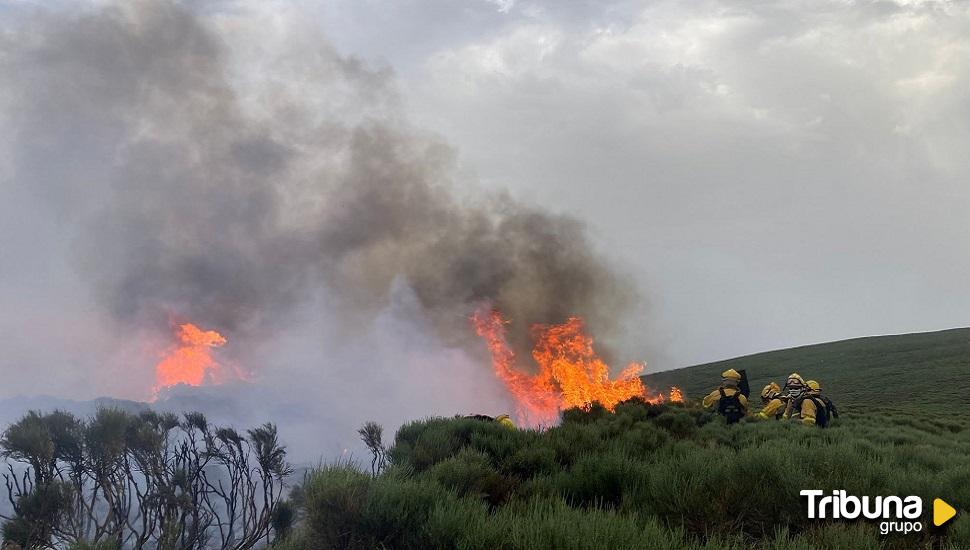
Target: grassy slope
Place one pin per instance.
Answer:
(920, 372)
(675, 476)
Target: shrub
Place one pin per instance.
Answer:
(642, 440)
(531, 460)
(335, 497)
(679, 424)
(578, 415)
(570, 440)
(599, 479)
(638, 410)
(647, 476)
(469, 473)
(553, 524)
(959, 531)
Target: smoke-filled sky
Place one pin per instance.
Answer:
(774, 173)
(336, 185)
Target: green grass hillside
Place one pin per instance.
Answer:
(917, 372)
(675, 476)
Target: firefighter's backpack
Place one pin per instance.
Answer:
(729, 406)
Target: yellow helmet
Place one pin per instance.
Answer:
(731, 374)
(813, 385)
(797, 377)
(504, 420)
(769, 391)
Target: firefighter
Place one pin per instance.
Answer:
(791, 394)
(772, 405)
(814, 409)
(505, 420)
(795, 382)
(777, 403)
(829, 405)
(727, 399)
(502, 419)
(769, 393)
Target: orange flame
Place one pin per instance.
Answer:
(570, 374)
(190, 362)
(676, 396)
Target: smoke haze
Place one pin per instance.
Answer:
(234, 170)
(771, 174)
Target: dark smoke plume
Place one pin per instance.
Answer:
(227, 194)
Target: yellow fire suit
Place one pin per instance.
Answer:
(774, 409)
(711, 399)
(808, 410)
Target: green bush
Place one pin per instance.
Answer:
(335, 498)
(599, 479)
(589, 415)
(531, 460)
(350, 509)
(469, 473)
(959, 531)
(679, 424)
(645, 476)
(553, 524)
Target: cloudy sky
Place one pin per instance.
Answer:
(775, 173)
(768, 174)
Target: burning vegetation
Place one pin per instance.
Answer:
(290, 196)
(190, 361)
(569, 373)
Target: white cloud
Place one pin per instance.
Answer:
(504, 6)
(725, 148)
